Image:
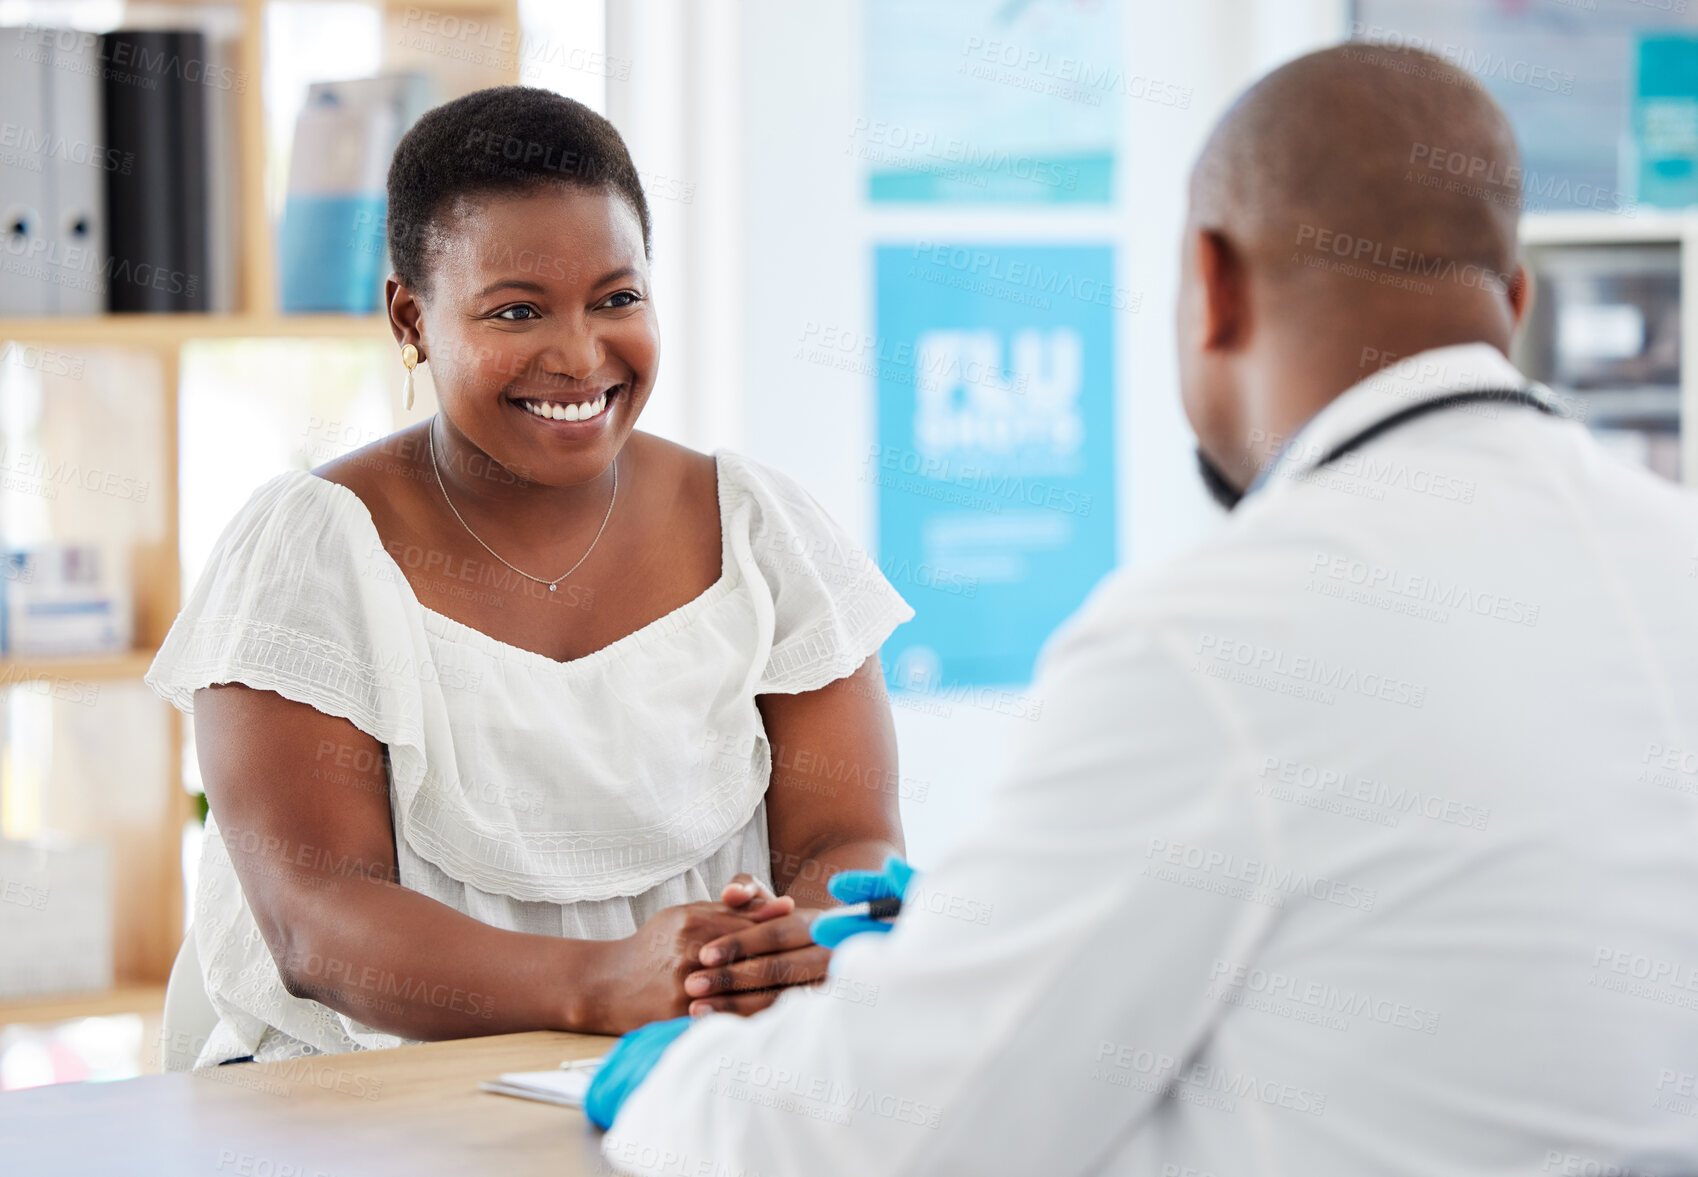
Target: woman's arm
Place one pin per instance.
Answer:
(832, 802)
(831, 806)
(302, 801)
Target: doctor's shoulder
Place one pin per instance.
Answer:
(1225, 573)
(1209, 592)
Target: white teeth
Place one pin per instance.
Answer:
(573, 412)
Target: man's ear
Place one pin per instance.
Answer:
(1223, 287)
(1520, 294)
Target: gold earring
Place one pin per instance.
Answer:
(410, 358)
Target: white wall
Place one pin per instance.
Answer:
(674, 95)
(754, 103)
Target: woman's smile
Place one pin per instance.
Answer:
(577, 416)
(542, 370)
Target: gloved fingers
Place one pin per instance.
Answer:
(831, 930)
(626, 1066)
(773, 935)
(735, 1003)
(897, 870)
(799, 966)
(858, 886)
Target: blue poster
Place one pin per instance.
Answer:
(994, 459)
(992, 102)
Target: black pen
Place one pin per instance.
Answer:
(887, 908)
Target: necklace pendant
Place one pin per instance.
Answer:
(553, 587)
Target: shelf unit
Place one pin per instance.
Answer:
(121, 999)
(1644, 227)
(131, 664)
(172, 331)
(148, 900)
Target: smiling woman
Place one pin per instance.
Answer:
(487, 711)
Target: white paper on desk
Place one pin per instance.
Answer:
(566, 1086)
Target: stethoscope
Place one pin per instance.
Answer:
(1502, 396)
(1505, 396)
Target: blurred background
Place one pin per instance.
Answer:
(921, 256)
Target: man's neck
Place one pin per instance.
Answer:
(1297, 378)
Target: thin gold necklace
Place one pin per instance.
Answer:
(553, 585)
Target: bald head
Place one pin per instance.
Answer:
(1353, 207)
(1386, 160)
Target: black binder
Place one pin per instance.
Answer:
(154, 100)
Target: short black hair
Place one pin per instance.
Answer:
(503, 139)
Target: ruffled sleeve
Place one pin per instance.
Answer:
(298, 597)
(831, 607)
(291, 602)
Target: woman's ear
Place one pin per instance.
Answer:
(1223, 288)
(406, 312)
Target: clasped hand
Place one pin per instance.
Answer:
(734, 956)
(745, 970)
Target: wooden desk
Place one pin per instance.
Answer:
(416, 1111)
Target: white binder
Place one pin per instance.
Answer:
(74, 211)
(223, 193)
(23, 168)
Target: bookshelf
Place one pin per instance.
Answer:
(1646, 226)
(155, 331)
(131, 664)
(120, 999)
(145, 831)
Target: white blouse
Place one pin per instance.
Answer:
(569, 798)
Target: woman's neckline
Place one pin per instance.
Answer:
(660, 626)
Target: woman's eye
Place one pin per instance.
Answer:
(625, 298)
(512, 315)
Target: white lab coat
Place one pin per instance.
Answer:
(1363, 840)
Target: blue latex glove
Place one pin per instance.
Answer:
(859, 886)
(626, 1066)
